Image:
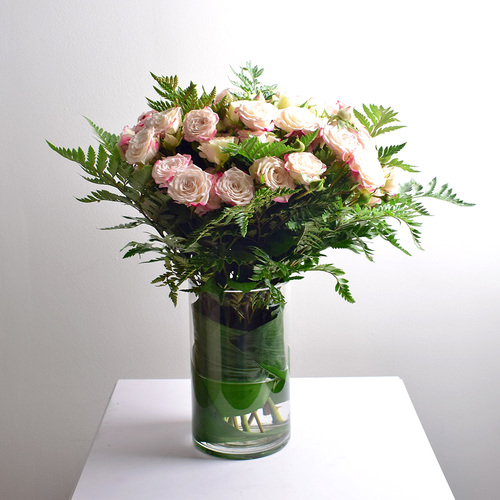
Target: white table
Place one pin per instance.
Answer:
(364, 442)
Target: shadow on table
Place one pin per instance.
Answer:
(153, 439)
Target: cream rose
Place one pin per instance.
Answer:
(191, 186)
(271, 171)
(166, 122)
(304, 167)
(366, 166)
(200, 125)
(257, 115)
(165, 168)
(294, 118)
(235, 187)
(342, 140)
(142, 147)
(212, 149)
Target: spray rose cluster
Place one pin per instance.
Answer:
(207, 179)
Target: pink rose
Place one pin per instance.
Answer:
(222, 94)
(271, 172)
(165, 168)
(235, 187)
(142, 147)
(342, 140)
(166, 122)
(257, 115)
(214, 201)
(190, 186)
(304, 167)
(200, 125)
(143, 119)
(124, 140)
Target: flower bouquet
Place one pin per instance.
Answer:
(244, 190)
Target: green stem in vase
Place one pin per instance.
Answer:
(277, 418)
(257, 419)
(244, 423)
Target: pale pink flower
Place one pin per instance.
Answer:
(221, 95)
(124, 140)
(190, 186)
(142, 147)
(365, 165)
(165, 168)
(257, 115)
(214, 201)
(166, 122)
(143, 120)
(200, 125)
(342, 140)
(271, 172)
(294, 118)
(235, 187)
(304, 167)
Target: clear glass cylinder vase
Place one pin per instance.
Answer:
(240, 375)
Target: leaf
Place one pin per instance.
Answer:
(341, 286)
(377, 118)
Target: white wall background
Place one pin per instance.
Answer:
(74, 317)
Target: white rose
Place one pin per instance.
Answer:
(235, 187)
(304, 167)
(342, 140)
(200, 125)
(271, 171)
(191, 186)
(142, 147)
(366, 166)
(294, 118)
(165, 168)
(166, 122)
(257, 115)
(212, 150)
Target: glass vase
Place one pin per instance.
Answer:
(240, 376)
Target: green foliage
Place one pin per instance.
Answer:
(173, 96)
(413, 189)
(377, 118)
(248, 82)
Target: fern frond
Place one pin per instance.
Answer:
(377, 118)
(107, 139)
(444, 192)
(248, 82)
(341, 287)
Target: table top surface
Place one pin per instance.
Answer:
(352, 439)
